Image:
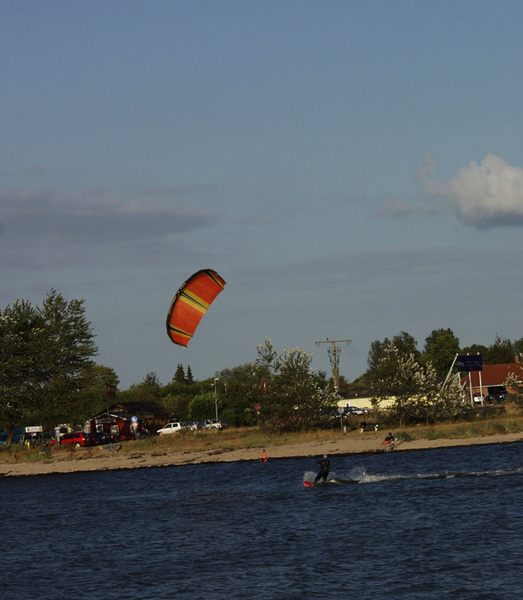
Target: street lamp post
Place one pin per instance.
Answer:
(340, 412)
(216, 379)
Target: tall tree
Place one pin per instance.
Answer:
(376, 353)
(44, 353)
(404, 343)
(441, 347)
(22, 372)
(413, 385)
(518, 348)
(97, 390)
(179, 375)
(501, 351)
(293, 398)
(240, 391)
(151, 379)
(476, 349)
(69, 350)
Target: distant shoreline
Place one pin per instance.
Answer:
(103, 459)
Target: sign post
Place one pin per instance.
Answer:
(466, 363)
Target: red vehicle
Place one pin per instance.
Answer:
(77, 439)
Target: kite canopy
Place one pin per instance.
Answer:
(190, 303)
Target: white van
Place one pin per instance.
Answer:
(170, 428)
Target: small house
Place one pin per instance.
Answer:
(491, 380)
(122, 419)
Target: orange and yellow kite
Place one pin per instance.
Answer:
(190, 303)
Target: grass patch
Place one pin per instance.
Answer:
(463, 430)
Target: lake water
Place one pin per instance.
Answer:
(444, 523)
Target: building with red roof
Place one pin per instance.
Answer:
(491, 380)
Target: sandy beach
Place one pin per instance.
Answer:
(103, 459)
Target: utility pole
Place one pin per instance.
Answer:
(216, 379)
(334, 352)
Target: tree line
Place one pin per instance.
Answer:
(48, 375)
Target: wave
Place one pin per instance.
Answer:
(358, 474)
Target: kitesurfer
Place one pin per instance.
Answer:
(325, 466)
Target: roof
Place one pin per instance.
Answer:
(143, 409)
(494, 374)
(112, 415)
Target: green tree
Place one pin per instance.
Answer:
(151, 379)
(402, 377)
(518, 348)
(267, 358)
(179, 375)
(404, 343)
(201, 407)
(501, 351)
(376, 353)
(415, 387)
(440, 349)
(476, 349)
(22, 373)
(239, 391)
(189, 379)
(293, 398)
(44, 355)
(149, 390)
(97, 390)
(69, 348)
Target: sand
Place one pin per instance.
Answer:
(103, 459)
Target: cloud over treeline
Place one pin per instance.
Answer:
(485, 194)
(96, 215)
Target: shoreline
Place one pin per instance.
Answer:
(101, 458)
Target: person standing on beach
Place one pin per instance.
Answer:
(325, 466)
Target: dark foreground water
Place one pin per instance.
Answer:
(432, 524)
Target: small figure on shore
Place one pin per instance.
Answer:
(325, 466)
(389, 439)
(264, 458)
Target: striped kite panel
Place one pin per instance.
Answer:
(190, 303)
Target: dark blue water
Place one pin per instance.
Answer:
(435, 524)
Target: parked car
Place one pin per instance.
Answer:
(101, 437)
(171, 428)
(77, 439)
(212, 424)
(497, 397)
(36, 439)
(192, 426)
(354, 410)
(478, 399)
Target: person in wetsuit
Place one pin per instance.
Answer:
(325, 466)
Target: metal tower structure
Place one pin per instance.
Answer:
(334, 352)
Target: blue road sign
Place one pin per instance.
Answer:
(469, 362)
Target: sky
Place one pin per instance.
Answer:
(351, 169)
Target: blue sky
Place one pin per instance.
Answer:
(352, 170)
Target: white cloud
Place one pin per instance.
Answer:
(483, 195)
